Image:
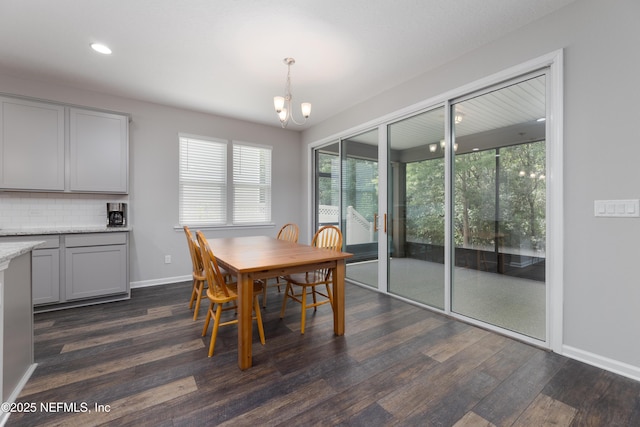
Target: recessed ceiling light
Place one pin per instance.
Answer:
(542, 119)
(98, 47)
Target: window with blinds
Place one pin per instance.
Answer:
(211, 194)
(251, 184)
(203, 181)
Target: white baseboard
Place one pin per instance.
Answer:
(163, 281)
(612, 365)
(4, 416)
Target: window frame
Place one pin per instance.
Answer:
(228, 185)
(265, 188)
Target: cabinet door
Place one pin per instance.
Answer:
(95, 271)
(45, 276)
(98, 151)
(31, 145)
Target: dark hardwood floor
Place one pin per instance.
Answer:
(144, 363)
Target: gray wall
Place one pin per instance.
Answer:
(601, 151)
(153, 197)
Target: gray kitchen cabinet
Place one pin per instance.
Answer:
(46, 146)
(98, 151)
(32, 145)
(45, 267)
(95, 265)
(71, 270)
(45, 274)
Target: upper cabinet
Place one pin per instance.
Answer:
(98, 151)
(50, 147)
(32, 145)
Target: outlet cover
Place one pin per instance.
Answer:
(617, 208)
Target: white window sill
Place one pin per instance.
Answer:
(270, 225)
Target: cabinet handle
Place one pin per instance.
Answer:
(375, 222)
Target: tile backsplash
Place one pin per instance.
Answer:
(35, 210)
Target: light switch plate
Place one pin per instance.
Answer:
(617, 208)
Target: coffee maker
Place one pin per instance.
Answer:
(116, 214)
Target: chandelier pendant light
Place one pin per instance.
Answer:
(282, 104)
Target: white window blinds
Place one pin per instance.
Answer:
(203, 181)
(251, 184)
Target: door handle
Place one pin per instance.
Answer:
(385, 223)
(375, 222)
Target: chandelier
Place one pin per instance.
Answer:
(282, 104)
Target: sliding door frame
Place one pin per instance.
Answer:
(555, 184)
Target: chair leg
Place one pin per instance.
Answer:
(330, 295)
(198, 299)
(303, 299)
(256, 306)
(193, 294)
(214, 332)
(315, 301)
(284, 300)
(207, 319)
(264, 294)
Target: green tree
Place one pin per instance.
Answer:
(520, 213)
(523, 195)
(425, 201)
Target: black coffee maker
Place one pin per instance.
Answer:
(116, 214)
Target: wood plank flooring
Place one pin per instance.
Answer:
(144, 362)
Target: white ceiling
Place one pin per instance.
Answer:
(507, 115)
(225, 56)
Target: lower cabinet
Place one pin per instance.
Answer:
(95, 265)
(45, 276)
(70, 270)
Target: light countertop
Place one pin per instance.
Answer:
(60, 230)
(11, 250)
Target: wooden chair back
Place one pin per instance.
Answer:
(214, 277)
(327, 237)
(194, 250)
(289, 232)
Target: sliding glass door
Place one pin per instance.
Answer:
(447, 206)
(347, 196)
(499, 205)
(327, 185)
(416, 194)
(360, 172)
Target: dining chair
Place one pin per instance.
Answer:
(290, 233)
(198, 272)
(223, 295)
(328, 237)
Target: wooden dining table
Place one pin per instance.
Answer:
(263, 257)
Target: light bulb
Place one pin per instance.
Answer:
(278, 103)
(306, 109)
